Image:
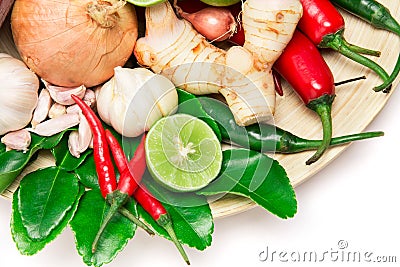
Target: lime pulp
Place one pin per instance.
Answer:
(183, 153)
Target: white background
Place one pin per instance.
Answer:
(355, 199)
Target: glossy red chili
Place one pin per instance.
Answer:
(157, 211)
(149, 203)
(127, 184)
(324, 25)
(128, 181)
(104, 167)
(303, 67)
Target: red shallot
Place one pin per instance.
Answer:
(214, 23)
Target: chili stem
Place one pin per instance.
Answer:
(361, 50)
(385, 87)
(166, 223)
(324, 112)
(135, 220)
(110, 214)
(297, 144)
(335, 41)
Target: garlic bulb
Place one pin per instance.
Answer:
(134, 99)
(18, 94)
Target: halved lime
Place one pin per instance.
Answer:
(220, 2)
(183, 153)
(145, 3)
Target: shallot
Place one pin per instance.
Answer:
(214, 23)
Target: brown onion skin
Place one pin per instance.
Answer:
(62, 44)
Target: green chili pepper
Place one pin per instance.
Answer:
(378, 16)
(266, 137)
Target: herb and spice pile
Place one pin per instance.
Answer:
(150, 108)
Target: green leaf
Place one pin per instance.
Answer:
(11, 165)
(240, 167)
(87, 173)
(48, 142)
(191, 215)
(2, 147)
(24, 243)
(13, 162)
(86, 223)
(64, 158)
(45, 196)
(189, 104)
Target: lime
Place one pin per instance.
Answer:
(183, 153)
(220, 2)
(145, 3)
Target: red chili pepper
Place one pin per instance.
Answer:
(277, 82)
(303, 67)
(128, 181)
(127, 184)
(149, 203)
(324, 25)
(157, 211)
(104, 167)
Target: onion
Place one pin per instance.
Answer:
(214, 23)
(74, 42)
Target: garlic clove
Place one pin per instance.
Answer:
(104, 98)
(73, 144)
(42, 108)
(84, 134)
(17, 140)
(57, 125)
(75, 108)
(90, 97)
(62, 95)
(57, 110)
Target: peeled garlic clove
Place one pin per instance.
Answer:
(105, 98)
(73, 109)
(89, 97)
(18, 94)
(84, 134)
(57, 110)
(18, 140)
(73, 144)
(57, 125)
(62, 95)
(42, 107)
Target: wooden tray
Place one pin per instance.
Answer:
(355, 106)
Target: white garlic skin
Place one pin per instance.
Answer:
(18, 94)
(134, 99)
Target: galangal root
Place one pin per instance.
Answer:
(173, 48)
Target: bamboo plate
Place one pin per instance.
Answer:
(355, 106)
